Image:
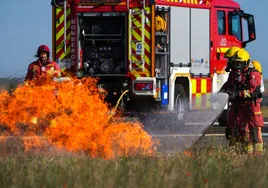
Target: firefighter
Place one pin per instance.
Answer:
(43, 67)
(231, 52)
(243, 87)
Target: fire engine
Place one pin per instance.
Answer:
(166, 53)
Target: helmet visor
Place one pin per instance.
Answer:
(238, 64)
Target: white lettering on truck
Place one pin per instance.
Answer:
(73, 40)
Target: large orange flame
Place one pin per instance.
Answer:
(72, 115)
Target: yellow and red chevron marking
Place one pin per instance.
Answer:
(201, 92)
(136, 36)
(60, 32)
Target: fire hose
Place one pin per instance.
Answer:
(116, 106)
(160, 24)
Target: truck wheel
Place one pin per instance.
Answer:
(180, 103)
(222, 120)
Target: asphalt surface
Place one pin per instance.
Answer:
(214, 135)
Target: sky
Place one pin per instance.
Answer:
(26, 24)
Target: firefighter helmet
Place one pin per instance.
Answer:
(43, 48)
(231, 52)
(241, 59)
(257, 66)
(242, 56)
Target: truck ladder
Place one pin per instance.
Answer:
(141, 43)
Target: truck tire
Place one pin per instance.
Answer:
(222, 120)
(180, 102)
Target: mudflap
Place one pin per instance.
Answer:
(173, 135)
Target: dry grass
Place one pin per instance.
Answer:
(206, 168)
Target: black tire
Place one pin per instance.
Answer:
(180, 102)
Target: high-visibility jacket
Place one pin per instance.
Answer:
(37, 70)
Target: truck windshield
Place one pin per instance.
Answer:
(235, 26)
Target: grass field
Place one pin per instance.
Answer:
(210, 167)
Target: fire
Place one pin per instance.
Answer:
(70, 115)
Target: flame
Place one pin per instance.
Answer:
(71, 115)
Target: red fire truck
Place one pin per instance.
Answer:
(167, 53)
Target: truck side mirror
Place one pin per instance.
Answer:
(251, 28)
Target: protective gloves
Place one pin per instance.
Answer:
(233, 96)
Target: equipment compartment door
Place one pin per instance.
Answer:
(190, 39)
(200, 41)
(179, 36)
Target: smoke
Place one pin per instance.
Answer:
(176, 134)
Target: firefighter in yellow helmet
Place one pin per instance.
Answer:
(243, 86)
(231, 52)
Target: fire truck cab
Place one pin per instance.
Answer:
(169, 53)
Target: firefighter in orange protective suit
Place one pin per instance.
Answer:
(245, 115)
(43, 67)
